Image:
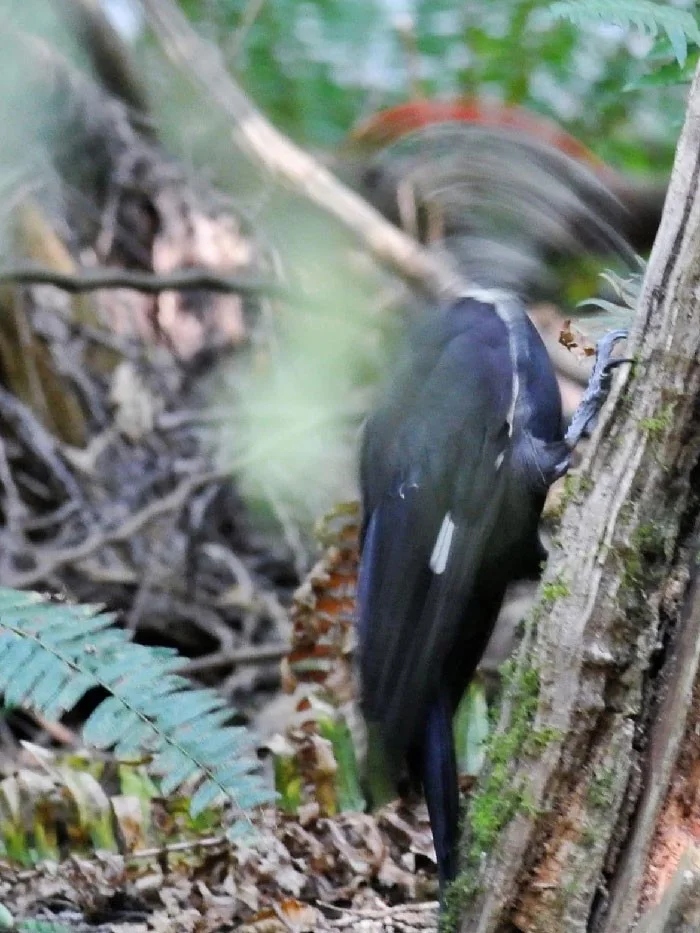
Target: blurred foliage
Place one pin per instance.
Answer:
(318, 67)
(471, 729)
(301, 391)
(647, 16)
(74, 803)
(310, 66)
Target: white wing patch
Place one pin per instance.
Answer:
(499, 460)
(443, 543)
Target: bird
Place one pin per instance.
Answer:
(463, 159)
(453, 486)
(456, 460)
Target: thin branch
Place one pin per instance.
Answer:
(50, 562)
(39, 440)
(435, 273)
(211, 842)
(248, 17)
(254, 654)
(407, 917)
(90, 280)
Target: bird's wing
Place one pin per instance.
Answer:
(441, 459)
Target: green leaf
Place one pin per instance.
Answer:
(51, 653)
(644, 15)
(288, 782)
(471, 729)
(347, 778)
(669, 75)
(7, 921)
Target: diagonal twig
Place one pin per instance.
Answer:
(436, 274)
(90, 280)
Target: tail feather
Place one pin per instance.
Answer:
(439, 779)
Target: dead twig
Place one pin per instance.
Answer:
(56, 731)
(421, 916)
(250, 14)
(90, 280)
(47, 563)
(433, 273)
(212, 842)
(35, 436)
(256, 654)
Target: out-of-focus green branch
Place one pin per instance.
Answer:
(434, 274)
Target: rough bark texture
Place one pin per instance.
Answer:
(679, 910)
(559, 830)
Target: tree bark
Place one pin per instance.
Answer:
(679, 910)
(598, 712)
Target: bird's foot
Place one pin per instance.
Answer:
(598, 388)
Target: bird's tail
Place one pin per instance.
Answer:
(439, 779)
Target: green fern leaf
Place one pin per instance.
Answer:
(644, 15)
(111, 722)
(211, 706)
(207, 796)
(52, 653)
(181, 769)
(65, 695)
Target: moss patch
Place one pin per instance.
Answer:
(647, 545)
(657, 425)
(600, 788)
(498, 800)
(552, 591)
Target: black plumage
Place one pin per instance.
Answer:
(456, 462)
(463, 446)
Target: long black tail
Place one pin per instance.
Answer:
(439, 779)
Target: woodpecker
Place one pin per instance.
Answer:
(455, 465)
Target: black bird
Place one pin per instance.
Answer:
(455, 467)
(459, 455)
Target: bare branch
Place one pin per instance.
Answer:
(238, 39)
(434, 273)
(47, 563)
(90, 280)
(255, 654)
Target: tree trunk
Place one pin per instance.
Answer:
(598, 727)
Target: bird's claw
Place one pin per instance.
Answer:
(598, 387)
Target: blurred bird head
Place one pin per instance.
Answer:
(511, 208)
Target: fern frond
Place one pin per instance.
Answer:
(627, 289)
(51, 653)
(648, 17)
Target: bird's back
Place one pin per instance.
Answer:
(439, 483)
